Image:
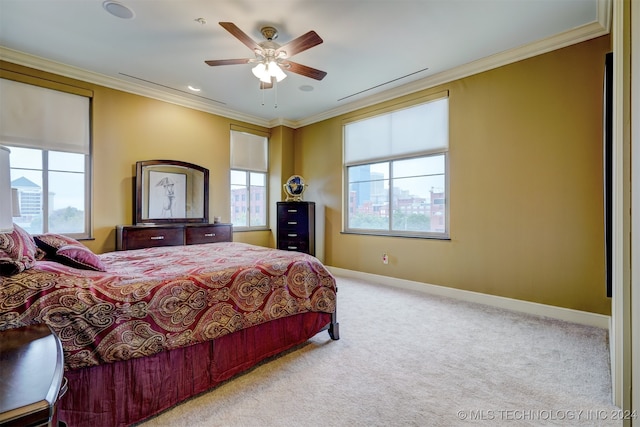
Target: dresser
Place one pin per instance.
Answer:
(31, 376)
(297, 226)
(147, 236)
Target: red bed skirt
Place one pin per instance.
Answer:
(125, 393)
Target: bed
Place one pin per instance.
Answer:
(143, 330)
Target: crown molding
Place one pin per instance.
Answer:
(585, 32)
(283, 122)
(64, 70)
(599, 27)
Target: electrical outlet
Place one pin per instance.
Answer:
(385, 258)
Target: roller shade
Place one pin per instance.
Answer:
(37, 117)
(249, 152)
(417, 130)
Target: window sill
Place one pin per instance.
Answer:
(391, 234)
(245, 229)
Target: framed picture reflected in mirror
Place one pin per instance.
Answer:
(171, 191)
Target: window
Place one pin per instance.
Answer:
(396, 168)
(248, 211)
(48, 132)
(249, 161)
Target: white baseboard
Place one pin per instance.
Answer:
(560, 313)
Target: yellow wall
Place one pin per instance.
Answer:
(128, 128)
(525, 168)
(526, 207)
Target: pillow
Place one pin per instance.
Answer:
(51, 242)
(18, 251)
(68, 251)
(79, 257)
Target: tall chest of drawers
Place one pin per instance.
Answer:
(297, 227)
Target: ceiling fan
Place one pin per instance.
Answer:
(270, 57)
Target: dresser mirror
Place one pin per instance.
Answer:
(171, 191)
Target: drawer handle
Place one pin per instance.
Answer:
(209, 234)
(157, 237)
(292, 210)
(292, 222)
(292, 235)
(292, 247)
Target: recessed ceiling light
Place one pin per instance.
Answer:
(306, 88)
(118, 10)
(193, 88)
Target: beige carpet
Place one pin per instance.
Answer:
(411, 359)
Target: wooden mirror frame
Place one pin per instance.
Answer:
(183, 198)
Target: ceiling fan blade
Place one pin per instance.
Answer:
(303, 70)
(215, 62)
(240, 35)
(264, 85)
(304, 42)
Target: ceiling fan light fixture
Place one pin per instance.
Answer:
(266, 70)
(259, 70)
(266, 78)
(276, 71)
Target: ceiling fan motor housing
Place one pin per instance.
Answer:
(269, 33)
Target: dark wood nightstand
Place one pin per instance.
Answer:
(31, 376)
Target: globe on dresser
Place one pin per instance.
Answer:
(294, 187)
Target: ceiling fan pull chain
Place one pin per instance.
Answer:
(275, 102)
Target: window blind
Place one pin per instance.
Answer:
(417, 130)
(36, 117)
(249, 151)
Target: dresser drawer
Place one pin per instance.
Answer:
(294, 224)
(208, 234)
(287, 233)
(147, 237)
(292, 218)
(294, 245)
(292, 213)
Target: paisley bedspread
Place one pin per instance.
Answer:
(156, 299)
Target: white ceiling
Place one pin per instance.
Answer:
(373, 49)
